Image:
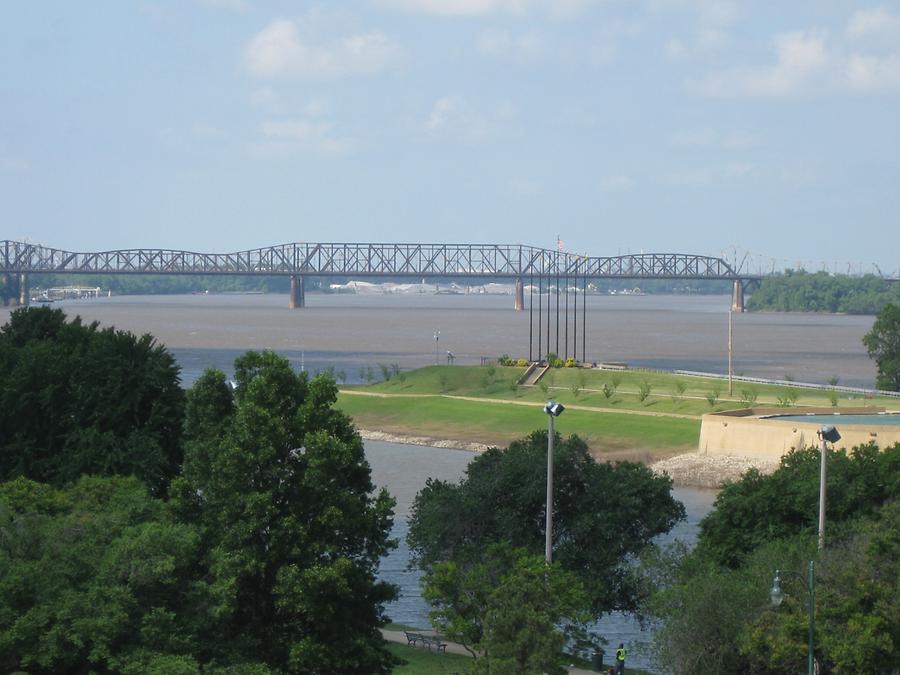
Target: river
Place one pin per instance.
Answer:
(349, 332)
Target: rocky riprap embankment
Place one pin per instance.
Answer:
(700, 469)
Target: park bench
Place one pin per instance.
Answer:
(434, 641)
(427, 641)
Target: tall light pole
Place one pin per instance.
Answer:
(437, 336)
(777, 596)
(730, 351)
(826, 433)
(553, 409)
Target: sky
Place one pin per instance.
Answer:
(764, 132)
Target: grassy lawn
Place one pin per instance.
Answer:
(426, 402)
(498, 423)
(424, 662)
(664, 395)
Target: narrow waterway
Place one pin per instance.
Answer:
(403, 470)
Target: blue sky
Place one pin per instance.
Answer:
(769, 129)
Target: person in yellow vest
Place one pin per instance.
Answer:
(620, 659)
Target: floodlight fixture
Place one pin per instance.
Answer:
(829, 433)
(554, 408)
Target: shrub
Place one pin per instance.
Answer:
(644, 390)
(571, 363)
(748, 397)
(522, 363)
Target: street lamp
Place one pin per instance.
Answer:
(437, 335)
(826, 433)
(553, 409)
(776, 595)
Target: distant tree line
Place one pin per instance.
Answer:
(159, 284)
(799, 291)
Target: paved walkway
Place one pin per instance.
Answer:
(400, 637)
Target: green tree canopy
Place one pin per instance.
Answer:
(760, 508)
(292, 531)
(799, 291)
(96, 577)
(75, 399)
(715, 619)
(603, 513)
(511, 610)
(883, 345)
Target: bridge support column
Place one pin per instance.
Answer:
(298, 292)
(23, 290)
(7, 289)
(520, 295)
(737, 296)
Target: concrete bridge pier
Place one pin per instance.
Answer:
(737, 296)
(520, 295)
(7, 289)
(298, 292)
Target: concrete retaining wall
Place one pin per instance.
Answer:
(747, 433)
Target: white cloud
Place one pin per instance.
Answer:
(556, 8)
(503, 44)
(454, 117)
(287, 137)
(871, 74)
(800, 57)
(863, 59)
(711, 31)
(875, 25)
(279, 50)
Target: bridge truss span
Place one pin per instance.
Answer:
(514, 261)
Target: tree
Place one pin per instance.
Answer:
(760, 508)
(509, 609)
(282, 495)
(96, 577)
(75, 399)
(714, 619)
(603, 514)
(857, 597)
(883, 345)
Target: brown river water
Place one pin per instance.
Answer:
(349, 331)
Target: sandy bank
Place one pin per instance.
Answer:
(693, 469)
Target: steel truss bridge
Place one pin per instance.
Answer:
(298, 260)
(374, 260)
